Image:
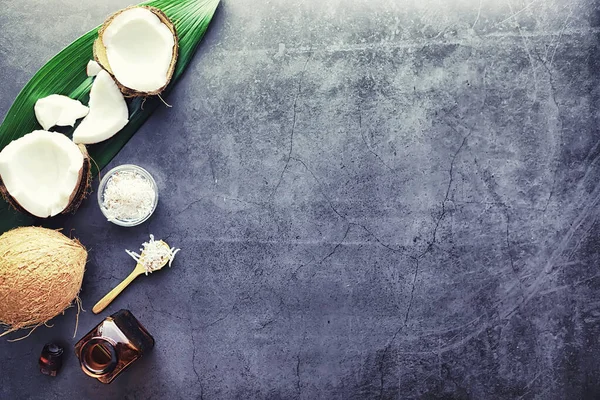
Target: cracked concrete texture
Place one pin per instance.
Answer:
(374, 199)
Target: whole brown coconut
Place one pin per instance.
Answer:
(41, 271)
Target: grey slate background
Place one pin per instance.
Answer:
(374, 199)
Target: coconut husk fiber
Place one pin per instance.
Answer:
(41, 271)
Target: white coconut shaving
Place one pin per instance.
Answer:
(108, 112)
(155, 254)
(128, 196)
(93, 68)
(58, 110)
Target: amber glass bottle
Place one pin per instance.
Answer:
(51, 359)
(112, 346)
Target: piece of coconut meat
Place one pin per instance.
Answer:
(42, 171)
(108, 112)
(58, 110)
(93, 68)
(139, 49)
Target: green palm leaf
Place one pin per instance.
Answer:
(66, 74)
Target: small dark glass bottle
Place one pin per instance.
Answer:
(51, 359)
(112, 346)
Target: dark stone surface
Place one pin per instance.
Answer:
(374, 199)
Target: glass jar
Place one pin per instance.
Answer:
(112, 346)
(128, 169)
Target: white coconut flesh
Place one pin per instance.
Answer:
(108, 112)
(139, 49)
(58, 110)
(93, 68)
(41, 171)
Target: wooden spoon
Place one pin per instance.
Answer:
(139, 270)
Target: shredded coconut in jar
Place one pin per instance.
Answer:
(155, 254)
(128, 196)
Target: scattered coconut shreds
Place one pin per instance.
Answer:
(128, 196)
(155, 254)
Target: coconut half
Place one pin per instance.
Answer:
(44, 173)
(139, 47)
(108, 112)
(58, 110)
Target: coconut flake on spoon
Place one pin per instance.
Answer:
(138, 46)
(44, 173)
(155, 255)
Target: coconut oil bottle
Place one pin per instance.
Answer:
(112, 346)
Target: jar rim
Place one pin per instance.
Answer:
(99, 346)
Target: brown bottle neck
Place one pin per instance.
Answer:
(98, 357)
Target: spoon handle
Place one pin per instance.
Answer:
(110, 296)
